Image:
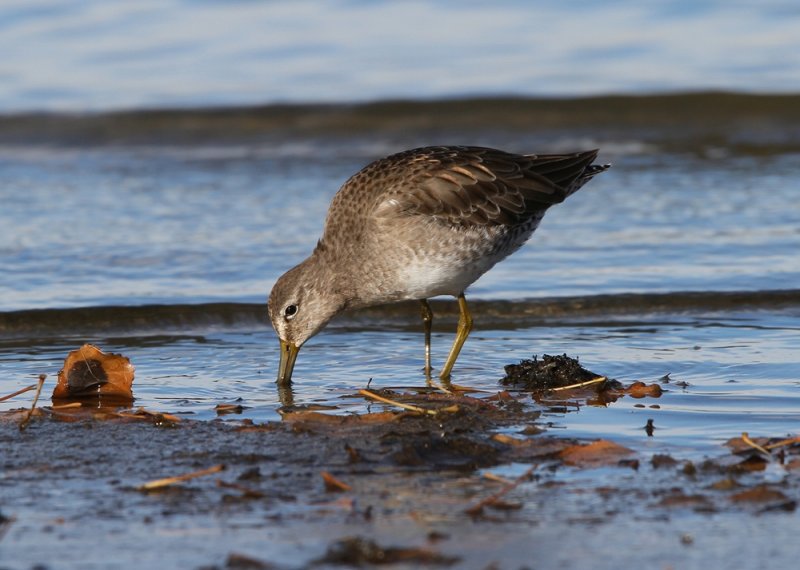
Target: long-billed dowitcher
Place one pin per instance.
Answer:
(418, 224)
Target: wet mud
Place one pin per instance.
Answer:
(426, 479)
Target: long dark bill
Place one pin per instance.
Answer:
(288, 356)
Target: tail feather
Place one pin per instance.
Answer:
(590, 172)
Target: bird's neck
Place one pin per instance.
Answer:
(328, 278)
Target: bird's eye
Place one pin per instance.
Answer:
(289, 312)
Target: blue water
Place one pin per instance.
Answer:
(82, 227)
(91, 55)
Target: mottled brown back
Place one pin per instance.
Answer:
(463, 186)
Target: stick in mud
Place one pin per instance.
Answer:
(18, 392)
(782, 443)
(408, 407)
(581, 384)
(477, 508)
(754, 445)
(24, 423)
(69, 406)
(167, 481)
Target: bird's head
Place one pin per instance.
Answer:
(300, 304)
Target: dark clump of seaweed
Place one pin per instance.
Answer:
(546, 373)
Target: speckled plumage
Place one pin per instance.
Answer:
(418, 224)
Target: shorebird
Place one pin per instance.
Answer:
(418, 224)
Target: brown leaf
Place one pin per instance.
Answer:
(726, 484)
(223, 409)
(90, 372)
(596, 454)
(334, 485)
(759, 494)
(331, 419)
(680, 499)
(508, 440)
(642, 390)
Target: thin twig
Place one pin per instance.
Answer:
(754, 445)
(477, 508)
(581, 384)
(18, 392)
(59, 407)
(408, 407)
(440, 386)
(142, 414)
(782, 443)
(167, 481)
(498, 479)
(24, 423)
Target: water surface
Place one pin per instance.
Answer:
(163, 233)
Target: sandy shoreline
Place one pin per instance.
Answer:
(70, 499)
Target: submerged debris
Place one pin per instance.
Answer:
(559, 381)
(24, 423)
(596, 454)
(546, 374)
(169, 481)
(357, 551)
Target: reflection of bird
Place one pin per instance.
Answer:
(418, 224)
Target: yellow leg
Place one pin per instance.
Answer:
(427, 323)
(464, 328)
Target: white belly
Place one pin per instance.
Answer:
(425, 278)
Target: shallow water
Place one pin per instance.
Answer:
(92, 218)
(95, 226)
(93, 54)
(728, 372)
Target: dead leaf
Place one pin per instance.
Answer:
(596, 454)
(161, 419)
(334, 485)
(507, 439)
(642, 390)
(223, 409)
(331, 419)
(90, 372)
(759, 494)
(726, 484)
(680, 499)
